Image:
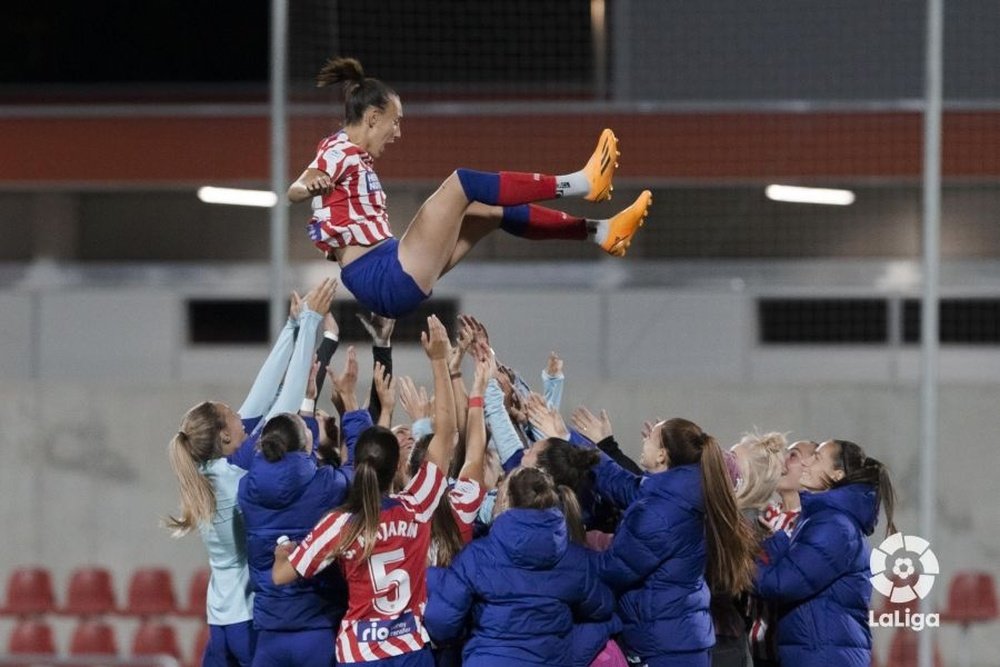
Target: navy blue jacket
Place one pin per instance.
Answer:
(656, 562)
(525, 585)
(288, 497)
(820, 579)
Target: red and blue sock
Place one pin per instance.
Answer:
(531, 221)
(506, 188)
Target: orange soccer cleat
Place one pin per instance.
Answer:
(601, 167)
(623, 226)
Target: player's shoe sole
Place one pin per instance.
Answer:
(623, 226)
(600, 169)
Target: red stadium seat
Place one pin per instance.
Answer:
(972, 598)
(903, 650)
(197, 592)
(31, 637)
(90, 592)
(93, 638)
(155, 638)
(151, 592)
(29, 591)
(198, 650)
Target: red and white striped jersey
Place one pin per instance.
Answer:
(763, 628)
(353, 212)
(464, 499)
(388, 591)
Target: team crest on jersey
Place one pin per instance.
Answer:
(371, 181)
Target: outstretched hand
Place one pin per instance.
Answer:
(319, 298)
(385, 387)
(414, 401)
(344, 386)
(378, 327)
(544, 419)
(589, 425)
(435, 340)
(554, 365)
(486, 367)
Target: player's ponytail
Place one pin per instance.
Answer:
(360, 92)
(197, 441)
(375, 460)
(859, 468)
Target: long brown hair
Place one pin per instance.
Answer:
(282, 434)
(730, 542)
(360, 91)
(533, 488)
(862, 469)
(375, 460)
(199, 440)
(445, 534)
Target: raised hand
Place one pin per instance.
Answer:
(435, 340)
(378, 327)
(544, 419)
(319, 298)
(344, 386)
(385, 387)
(414, 401)
(330, 324)
(311, 390)
(295, 307)
(554, 365)
(590, 426)
(486, 367)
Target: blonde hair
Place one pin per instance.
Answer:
(197, 441)
(760, 469)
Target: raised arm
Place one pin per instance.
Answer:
(294, 387)
(265, 385)
(380, 329)
(327, 348)
(435, 343)
(553, 381)
(385, 388)
(598, 431)
(475, 434)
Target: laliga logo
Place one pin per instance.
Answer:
(905, 584)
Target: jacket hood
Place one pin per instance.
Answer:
(681, 485)
(532, 539)
(279, 484)
(858, 501)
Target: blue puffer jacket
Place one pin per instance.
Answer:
(657, 560)
(525, 584)
(820, 579)
(288, 497)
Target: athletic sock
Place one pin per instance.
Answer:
(573, 185)
(506, 188)
(535, 222)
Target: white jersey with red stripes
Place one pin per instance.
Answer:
(465, 497)
(353, 212)
(763, 640)
(388, 591)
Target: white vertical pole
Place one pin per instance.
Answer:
(931, 271)
(279, 162)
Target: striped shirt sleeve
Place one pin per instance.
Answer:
(466, 496)
(422, 495)
(314, 553)
(332, 158)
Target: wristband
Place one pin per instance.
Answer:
(455, 376)
(308, 405)
(476, 402)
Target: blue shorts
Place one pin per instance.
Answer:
(379, 283)
(230, 645)
(302, 648)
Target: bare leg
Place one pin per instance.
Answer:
(480, 220)
(427, 246)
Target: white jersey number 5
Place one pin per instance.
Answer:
(394, 584)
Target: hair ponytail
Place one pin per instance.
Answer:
(862, 469)
(730, 542)
(360, 92)
(574, 517)
(197, 441)
(376, 458)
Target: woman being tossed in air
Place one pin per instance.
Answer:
(350, 223)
